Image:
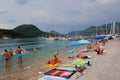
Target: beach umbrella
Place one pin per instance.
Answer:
(99, 37)
(83, 41)
(73, 43)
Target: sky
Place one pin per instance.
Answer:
(59, 15)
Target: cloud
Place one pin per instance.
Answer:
(6, 26)
(66, 12)
(22, 2)
(3, 12)
(105, 1)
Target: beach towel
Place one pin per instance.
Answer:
(70, 52)
(89, 57)
(52, 65)
(68, 68)
(78, 62)
(85, 50)
(51, 78)
(60, 73)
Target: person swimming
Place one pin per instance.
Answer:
(34, 50)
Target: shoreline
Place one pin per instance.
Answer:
(37, 71)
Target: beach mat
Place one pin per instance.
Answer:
(51, 78)
(90, 57)
(78, 62)
(52, 65)
(70, 52)
(68, 68)
(60, 73)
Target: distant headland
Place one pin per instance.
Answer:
(31, 31)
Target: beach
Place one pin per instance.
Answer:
(106, 66)
(103, 67)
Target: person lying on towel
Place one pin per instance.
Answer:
(81, 56)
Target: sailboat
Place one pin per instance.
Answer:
(112, 32)
(49, 36)
(6, 37)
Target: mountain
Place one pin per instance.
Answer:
(93, 30)
(23, 31)
(31, 31)
(27, 30)
(8, 33)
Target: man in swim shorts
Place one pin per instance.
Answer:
(19, 54)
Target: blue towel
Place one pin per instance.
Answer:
(70, 52)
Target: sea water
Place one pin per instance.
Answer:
(44, 48)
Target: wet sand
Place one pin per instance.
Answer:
(104, 67)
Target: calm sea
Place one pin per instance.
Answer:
(44, 48)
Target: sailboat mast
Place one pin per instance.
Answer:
(106, 27)
(101, 31)
(96, 30)
(113, 31)
(54, 30)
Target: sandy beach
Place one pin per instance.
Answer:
(107, 66)
(104, 67)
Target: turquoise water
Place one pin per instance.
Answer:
(44, 48)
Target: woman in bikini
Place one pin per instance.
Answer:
(6, 56)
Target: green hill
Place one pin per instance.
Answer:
(31, 31)
(27, 30)
(93, 30)
(8, 33)
(24, 31)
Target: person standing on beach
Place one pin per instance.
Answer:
(6, 56)
(19, 52)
